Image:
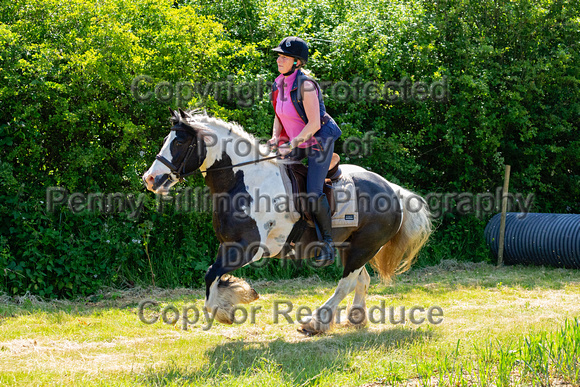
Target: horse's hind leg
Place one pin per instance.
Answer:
(323, 317)
(357, 313)
(355, 257)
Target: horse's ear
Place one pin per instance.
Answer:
(174, 117)
(182, 113)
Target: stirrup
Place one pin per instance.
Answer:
(325, 258)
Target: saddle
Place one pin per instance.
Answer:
(297, 173)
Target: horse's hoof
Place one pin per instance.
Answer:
(313, 327)
(307, 332)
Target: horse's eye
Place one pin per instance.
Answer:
(178, 143)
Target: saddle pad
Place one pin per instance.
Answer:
(344, 190)
(346, 214)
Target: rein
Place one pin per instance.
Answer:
(239, 164)
(179, 171)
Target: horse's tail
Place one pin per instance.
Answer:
(399, 253)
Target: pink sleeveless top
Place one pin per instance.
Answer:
(286, 111)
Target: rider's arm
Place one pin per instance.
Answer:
(276, 130)
(312, 109)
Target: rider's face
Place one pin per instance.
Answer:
(285, 63)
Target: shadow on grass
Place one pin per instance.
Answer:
(298, 363)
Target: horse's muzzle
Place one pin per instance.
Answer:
(158, 184)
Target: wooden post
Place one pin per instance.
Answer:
(506, 183)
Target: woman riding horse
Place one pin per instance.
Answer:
(252, 222)
(248, 218)
(302, 129)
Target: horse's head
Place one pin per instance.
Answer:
(183, 152)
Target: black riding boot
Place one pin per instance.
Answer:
(322, 217)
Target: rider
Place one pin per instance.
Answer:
(303, 129)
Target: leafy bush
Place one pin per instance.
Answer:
(512, 72)
(70, 119)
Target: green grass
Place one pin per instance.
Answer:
(507, 326)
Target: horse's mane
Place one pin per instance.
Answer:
(196, 116)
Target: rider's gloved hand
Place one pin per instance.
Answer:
(285, 149)
(273, 142)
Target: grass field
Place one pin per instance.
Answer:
(506, 326)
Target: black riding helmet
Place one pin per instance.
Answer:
(294, 47)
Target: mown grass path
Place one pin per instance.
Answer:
(507, 326)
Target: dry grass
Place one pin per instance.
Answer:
(99, 340)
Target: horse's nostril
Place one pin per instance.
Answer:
(148, 179)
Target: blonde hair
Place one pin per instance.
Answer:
(305, 71)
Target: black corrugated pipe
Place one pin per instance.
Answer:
(537, 239)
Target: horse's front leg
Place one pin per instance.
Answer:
(223, 294)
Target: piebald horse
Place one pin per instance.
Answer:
(252, 223)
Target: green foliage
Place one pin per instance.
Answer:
(69, 117)
(512, 73)
(456, 237)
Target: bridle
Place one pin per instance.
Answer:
(179, 171)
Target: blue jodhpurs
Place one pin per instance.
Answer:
(318, 163)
